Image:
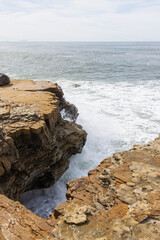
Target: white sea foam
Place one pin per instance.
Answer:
(118, 100)
(115, 116)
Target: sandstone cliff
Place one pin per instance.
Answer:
(120, 199)
(35, 142)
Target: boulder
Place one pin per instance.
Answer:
(4, 79)
(76, 85)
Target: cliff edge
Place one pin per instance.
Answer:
(120, 199)
(35, 142)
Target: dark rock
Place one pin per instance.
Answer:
(76, 85)
(69, 111)
(4, 79)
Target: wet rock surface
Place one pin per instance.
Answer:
(69, 111)
(4, 79)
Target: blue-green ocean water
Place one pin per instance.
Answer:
(118, 98)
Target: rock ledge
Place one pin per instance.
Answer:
(35, 142)
(120, 199)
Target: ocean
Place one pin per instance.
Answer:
(118, 98)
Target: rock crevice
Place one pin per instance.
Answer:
(120, 199)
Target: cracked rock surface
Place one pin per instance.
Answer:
(35, 142)
(120, 199)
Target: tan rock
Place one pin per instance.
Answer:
(120, 199)
(124, 193)
(16, 222)
(101, 206)
(35, 142)
(76, 215)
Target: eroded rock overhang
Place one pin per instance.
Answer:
(35, 141)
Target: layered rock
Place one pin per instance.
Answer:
(120, 199)
(18, 223)
(35, 142)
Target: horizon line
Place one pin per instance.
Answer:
(125, 41)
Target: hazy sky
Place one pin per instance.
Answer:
(80, 20)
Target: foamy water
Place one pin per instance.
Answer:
(115, 116)
(118, 99)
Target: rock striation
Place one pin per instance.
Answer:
(120, 199)
(18, 223)
(35, 141)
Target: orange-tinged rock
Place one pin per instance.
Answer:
(120, 199)
(124, 197)
(16, 222)
(34, 138)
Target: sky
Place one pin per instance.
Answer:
(80, 20)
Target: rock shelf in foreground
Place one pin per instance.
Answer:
(120, 199)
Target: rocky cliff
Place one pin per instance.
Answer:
(35, 142)
(120, 199)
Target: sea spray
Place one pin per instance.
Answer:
(116, 116)
(117, 98)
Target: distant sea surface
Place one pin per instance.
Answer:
(118, 98)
